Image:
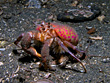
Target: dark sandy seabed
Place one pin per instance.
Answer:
(21, 68)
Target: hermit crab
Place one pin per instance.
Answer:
(59, 37)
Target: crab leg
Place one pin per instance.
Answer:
(82, 53)
(45, 53)
(18, 40)
(73, 47)
(68, 51)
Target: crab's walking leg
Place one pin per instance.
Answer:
(72, 46)
(82, 53)
(25, 39)
(18, 40)
(45, 53)
(68, 51)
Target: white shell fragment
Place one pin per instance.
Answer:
(1, 63)
(100, 18)
(96, 38)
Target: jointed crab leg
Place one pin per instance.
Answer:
(18, 40)
(45, 53)
(82, 53)
(67, 50)
(73, 47)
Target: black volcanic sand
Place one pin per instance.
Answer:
(16, 66)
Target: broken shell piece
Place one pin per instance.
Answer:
(92, 30)
(47, 75)
(2, 49)
(100, 18)
(88, 27)
(3, 43)
(75, 3)
(96, 38)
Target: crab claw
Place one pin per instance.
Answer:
(25, 39)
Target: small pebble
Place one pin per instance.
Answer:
(103, 4)
(1, 63)
(68, 66)
(3, 43)
(67, 78)
(34, 4)
(2, 49)
(104, 60)
(81, 71)
(100, 70)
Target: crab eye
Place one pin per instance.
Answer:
(42, 25)
(49, 25)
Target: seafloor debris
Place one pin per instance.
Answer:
(79, 15)
(92, 30)
(44, 1)
(1, 63)
(75, 2)
(96, 38)
(47, 75)
(32, 4)
(2, 45)
(101, 18)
